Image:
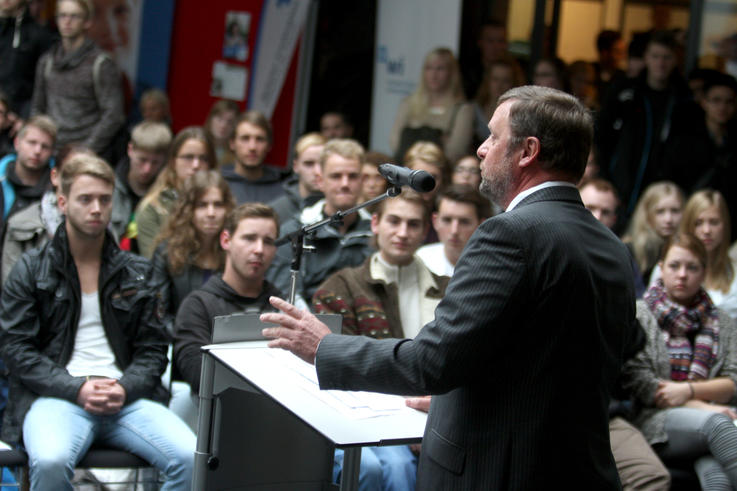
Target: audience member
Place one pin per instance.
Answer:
(134, 176)
(334, 124)
(373, 183)
(188, 251)
(391, 295)
(6, 125)
(703, 153)
(22, 42)
(582, 83)
(190, 151)
(600, 198)
(154, 107)
(301, 190)
(84, 345)
(436, 111)
(429, 157)
(492, 46)
(249, 178)
(220, 125)
(636, 120)
(685, 377)
(500, 76)
(36, 224)
(460, 210)
(611, 52)
(551, 72)
(467, 172)
(706, 217)
(247, 239)
(336, 245)
(636, 54)
(79, 85)
(656, 218)
(24, 175)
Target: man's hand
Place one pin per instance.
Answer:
(672, 394)
(419, 403)
(299, 331)
(101, 396)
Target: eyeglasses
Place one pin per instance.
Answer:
(189, 158)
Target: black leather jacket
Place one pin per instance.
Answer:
(39, 314)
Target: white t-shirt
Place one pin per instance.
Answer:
(92, 354)
(433, 255)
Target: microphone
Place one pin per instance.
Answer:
(419, 180)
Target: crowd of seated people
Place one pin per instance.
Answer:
(199, 212)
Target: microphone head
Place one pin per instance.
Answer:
(422, 181)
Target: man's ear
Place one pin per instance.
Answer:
(434, 220)
(225, 240)
(375, 223)
(530, 151)
(61, 202)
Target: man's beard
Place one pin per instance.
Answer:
(498, 184)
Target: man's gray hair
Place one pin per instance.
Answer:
(563, 125)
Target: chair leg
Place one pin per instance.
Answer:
(24, 478)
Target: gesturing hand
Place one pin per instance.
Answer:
(299, 331)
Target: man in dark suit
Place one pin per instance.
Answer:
(529, 338)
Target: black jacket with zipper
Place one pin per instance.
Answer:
(39, 314)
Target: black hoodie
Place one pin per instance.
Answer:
(193, 325)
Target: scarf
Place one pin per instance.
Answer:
(689, 360)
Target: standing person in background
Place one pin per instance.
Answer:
(249, 178)
(220, 125)
(334, 124)
(78, 85)
(301, 190)
(154, 107)
(612, 52)
(436, 111)
(500, 76)
(492, 46)
(190, 152)
(22, 42)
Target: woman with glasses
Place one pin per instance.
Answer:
(467, 172)
(191, 151)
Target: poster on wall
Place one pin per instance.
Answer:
(229, 81)
(237, 28)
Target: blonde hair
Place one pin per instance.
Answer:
(42, 123)
(86, 5)
(641, 236)
(719, 269)
(418, 100)
(151, 137)
(84, 164)
(429, 153)
(167, 178)
(308, 140)
(345, 147)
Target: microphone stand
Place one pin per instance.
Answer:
(297, 237)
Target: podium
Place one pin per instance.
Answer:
(263, 427)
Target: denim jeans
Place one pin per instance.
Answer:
(389, 468)
(57, 435)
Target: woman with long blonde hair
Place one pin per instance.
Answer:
(188, 248)
(436, 111)
(707, 218)
(655, 219)
(191, 150)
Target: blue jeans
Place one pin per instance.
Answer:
(390, 468)
(57, 435)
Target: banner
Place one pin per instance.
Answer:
(406, 30)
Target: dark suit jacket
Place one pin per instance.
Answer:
(523, 352)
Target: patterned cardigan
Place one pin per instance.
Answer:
(642, 373)
(369, 306)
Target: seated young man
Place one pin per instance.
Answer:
(391, 295)
(84, 346)
(460, 210)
